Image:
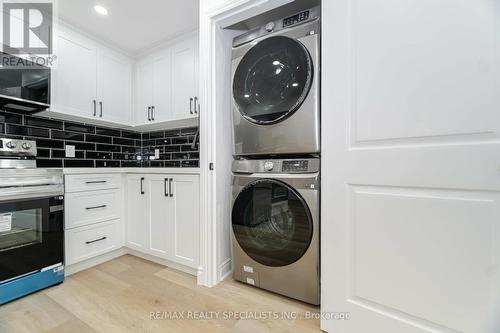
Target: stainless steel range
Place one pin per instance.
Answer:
(31, 222)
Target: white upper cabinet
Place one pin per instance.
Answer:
(114, 87)
(185, 79)
(162, 87)
(90, 80)
(74, 79)
(166, 84)
(143, 92)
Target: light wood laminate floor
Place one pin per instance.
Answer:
(121, 295)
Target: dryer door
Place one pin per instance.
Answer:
(272, 223)
(272, 80)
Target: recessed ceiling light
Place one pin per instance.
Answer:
(101, 10)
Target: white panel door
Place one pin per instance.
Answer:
(143, 91)
(184, 78)
(161, 216)
(114, 88)
(185, 195)
(137, 212)
(162, 87)
(411, 158)
(74, 78)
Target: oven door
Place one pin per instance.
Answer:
(31, 235)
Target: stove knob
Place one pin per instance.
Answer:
(268, 166)
(270, 26)
(11, 144)
(26, 145)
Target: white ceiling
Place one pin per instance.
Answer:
(133, 25)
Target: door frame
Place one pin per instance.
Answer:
(216, 145)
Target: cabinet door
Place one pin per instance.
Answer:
(143, 91)
(74, 79)
(184, 78)
(186, 229)
(162, 87)
(161, 216)
(137, 212)
(114, 87)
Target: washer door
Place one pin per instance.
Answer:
(272, 223)
(272, 80)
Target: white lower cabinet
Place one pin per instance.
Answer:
(163, 216)
(136, 213)
(93, 216)
(90, 241)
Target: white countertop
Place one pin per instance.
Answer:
(79, 171)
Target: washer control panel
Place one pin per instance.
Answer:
(297, 18)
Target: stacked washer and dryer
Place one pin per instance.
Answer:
(276, 168)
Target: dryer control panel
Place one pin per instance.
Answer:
(295, 166)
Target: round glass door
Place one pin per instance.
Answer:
(272, 223)
(272, 80)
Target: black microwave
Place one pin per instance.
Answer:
(24, 85)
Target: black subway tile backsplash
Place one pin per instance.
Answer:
(107, 131)
(79, 127)
(67, 135)
(107, 164)
(98, 138)
(43, 122)
(10, 118)
(26, 131)
(81, 145)
(78, 163)
(49, 163)
(124, 142)
(101, 147)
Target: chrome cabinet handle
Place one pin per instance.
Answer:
(153, 113)
(96, 207)
(142, 185)
(191, 105)
(165, 187)
(100, 106)
(96, 240)
(149, 113)
(195, 104)
(96, 182)
(95, 107)
(170, 187)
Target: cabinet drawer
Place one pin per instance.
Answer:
(91, 182)
(86, 242)
(84, 208)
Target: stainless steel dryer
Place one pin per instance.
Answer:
(276, 88)
(275, 223)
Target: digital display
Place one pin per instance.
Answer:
(294, 166)
(295, 19)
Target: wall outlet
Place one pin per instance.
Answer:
(70, 151)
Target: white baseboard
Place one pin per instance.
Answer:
(86, 264)
(163, 262)
(225, 269)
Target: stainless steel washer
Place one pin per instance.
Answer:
(275, 223)
(276, 87)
